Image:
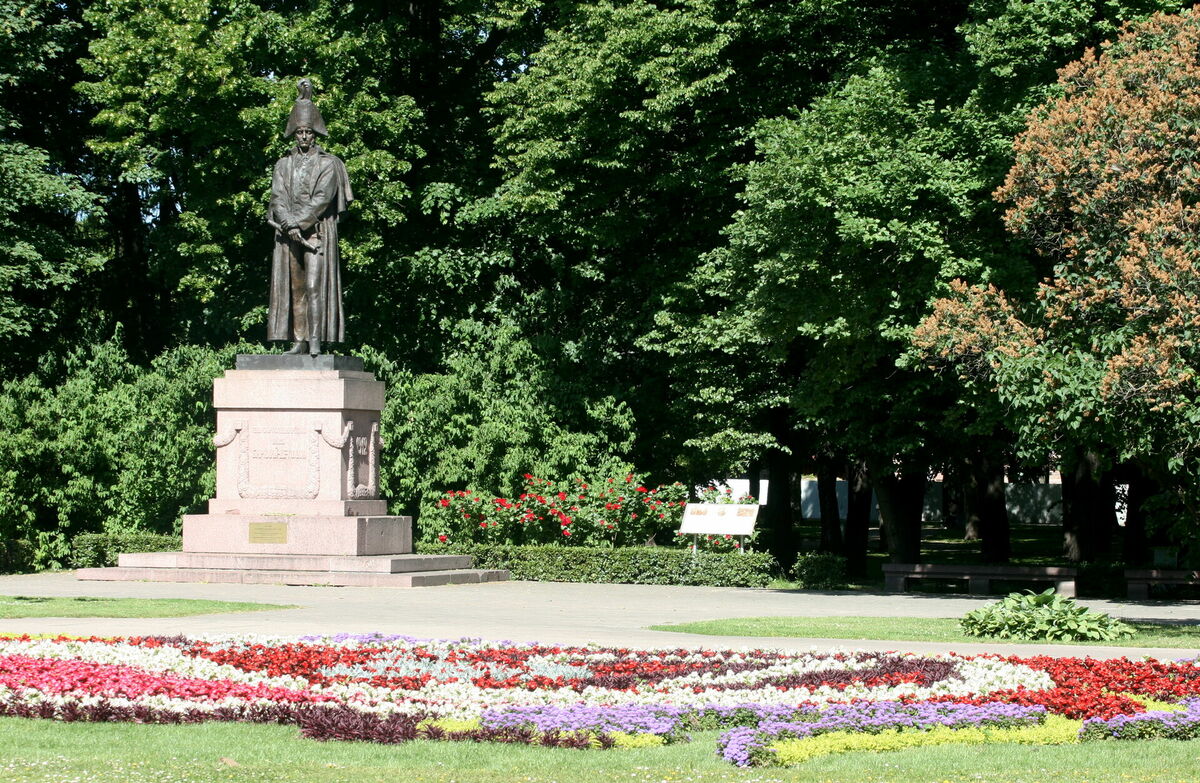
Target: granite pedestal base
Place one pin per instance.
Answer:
(297, 498)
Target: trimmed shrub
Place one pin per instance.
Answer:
(100, 550)
(620, 565)
(16, 556)
(819, 571)
(1045, 615)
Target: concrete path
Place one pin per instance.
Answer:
(547, 612)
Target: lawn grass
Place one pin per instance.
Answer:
(14, 607)
(911, 629)
(36, 751)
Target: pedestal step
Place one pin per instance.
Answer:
(313, 578)
(376, 564)
(341, 571)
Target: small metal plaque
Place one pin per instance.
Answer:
(268, 532)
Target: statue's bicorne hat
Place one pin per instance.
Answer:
(304, 112)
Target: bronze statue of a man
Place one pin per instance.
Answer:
(309, 189)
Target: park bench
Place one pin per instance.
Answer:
(979, 577)
(1138, 581)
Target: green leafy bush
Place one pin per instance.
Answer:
(621, 565)
(16, 556)
(611, 509)
(1038, 616)
(100, 550)
(100, 444)
(819, 571)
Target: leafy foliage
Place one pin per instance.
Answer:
(115, 447)
(1044, 615)
(604, 510)
(45, 212)
(624, 565)
(101, 550)
(1103, 352)
(819, 571)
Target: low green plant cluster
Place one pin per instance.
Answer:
(100, 550)
(819, 571)
(1046, 615)
(620, 565)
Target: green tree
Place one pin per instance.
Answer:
(1103, 354)
(193, 99)
(45, 207)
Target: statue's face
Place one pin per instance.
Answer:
(304, 138)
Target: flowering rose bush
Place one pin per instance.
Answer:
(605, 511)
(776, 707)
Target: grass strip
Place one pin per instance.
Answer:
(13, 607)
(36, 751)
(912, 629)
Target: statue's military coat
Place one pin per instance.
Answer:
(311, 204)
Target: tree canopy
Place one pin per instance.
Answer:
(696, 236)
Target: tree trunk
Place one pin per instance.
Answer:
(754, 473)
(1087, 524)
(858, 519)
(781, 538)
(953, 504)
(901, 494)
(831, 518)
(987, 512)
(1137, 542)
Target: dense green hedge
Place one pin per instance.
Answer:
(623, 565)
(99, 550)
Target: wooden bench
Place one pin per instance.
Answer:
(1138, 580)
(979, 577)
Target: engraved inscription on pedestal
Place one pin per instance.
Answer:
(279, 463)
(267, 532)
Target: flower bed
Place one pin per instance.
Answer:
(776, 707)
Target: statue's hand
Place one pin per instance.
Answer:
(294, 233)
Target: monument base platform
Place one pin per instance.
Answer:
(284, 534)
(322, 570)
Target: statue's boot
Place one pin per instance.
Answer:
(299, 348)
(314, 346)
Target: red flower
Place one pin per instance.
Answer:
(442, 538)
(444, 503)
(566, 532)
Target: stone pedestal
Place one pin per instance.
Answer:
(297, 497)
(298, 462)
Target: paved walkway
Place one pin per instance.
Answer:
(547, 612)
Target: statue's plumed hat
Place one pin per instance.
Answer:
(304, 112)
